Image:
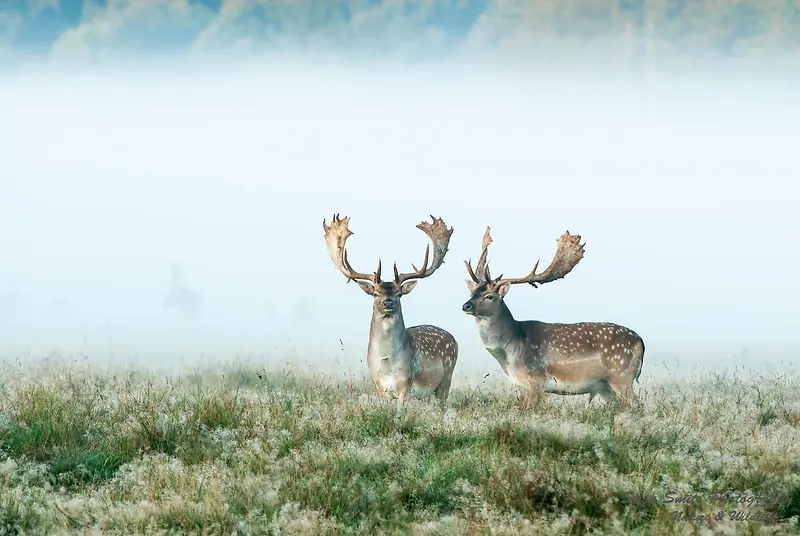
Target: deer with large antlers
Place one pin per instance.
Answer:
(594, 358)
(419, 359)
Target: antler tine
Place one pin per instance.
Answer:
(471, 272)
(568, 254)
(416, 274)
(480, 273)
(482, 260)
(336, 235)
(439, 235)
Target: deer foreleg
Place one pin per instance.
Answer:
(379, 389)
(534, 394)
(402, 391)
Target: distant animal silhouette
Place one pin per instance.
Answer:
(181, 298)
(305, 314)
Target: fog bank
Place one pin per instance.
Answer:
(165, 217)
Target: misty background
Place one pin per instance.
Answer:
(162, 193)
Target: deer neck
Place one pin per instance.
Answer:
(388, 339)
(498, 333)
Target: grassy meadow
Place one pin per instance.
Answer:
(236, 450)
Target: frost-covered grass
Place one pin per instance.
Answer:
(236, 450)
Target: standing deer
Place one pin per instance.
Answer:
(420, 358)
(566, 359)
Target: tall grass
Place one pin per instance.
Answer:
(237, 450)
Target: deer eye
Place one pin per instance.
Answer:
(488, 297)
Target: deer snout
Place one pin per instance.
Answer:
(467, 307)
(388, 304)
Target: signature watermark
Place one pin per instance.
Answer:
(733, 515)
(738, 503)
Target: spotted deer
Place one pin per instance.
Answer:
(594, 358)
(419, 359)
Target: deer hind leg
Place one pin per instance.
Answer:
(442, 391)
(605, 396)
(623, 389)
(602, 391)
(608, 396)
(633, 371)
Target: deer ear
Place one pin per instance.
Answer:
(503, 289)
(367, 287)
(408, 286)
(471, 285)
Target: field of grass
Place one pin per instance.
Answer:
(235, 450)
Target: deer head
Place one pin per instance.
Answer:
(488, 293)
(386, 294)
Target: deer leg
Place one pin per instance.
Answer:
(402, 391)
(442, 391)
(623, 389)
(609, 395)
(602, 390)
(535, 392)
(632, 372)
(631, 398)
(379, 388)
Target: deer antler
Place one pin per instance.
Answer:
(439, 235)
(336, 234)
(481, 272)
(568, 254)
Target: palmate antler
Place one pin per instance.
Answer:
(568, 254)
(337, 233)
(439, 235)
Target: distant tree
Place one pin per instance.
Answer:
(642, 34)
